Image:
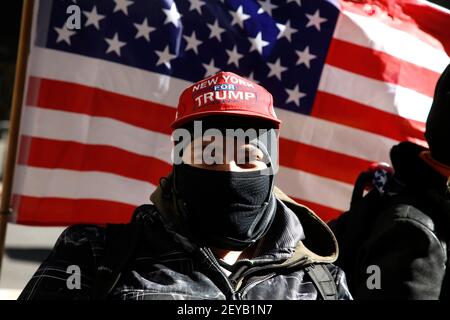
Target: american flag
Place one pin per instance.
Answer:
(350, 79)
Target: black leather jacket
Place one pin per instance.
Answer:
(168, 265)
(403, 232)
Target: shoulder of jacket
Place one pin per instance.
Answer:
(145, 213)
(410, 213)
(80, 233)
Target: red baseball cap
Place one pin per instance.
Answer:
(225, 93)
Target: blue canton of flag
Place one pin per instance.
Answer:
(281, 44)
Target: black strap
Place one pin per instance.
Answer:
(121, 243)
(445, 288)
(323, 281)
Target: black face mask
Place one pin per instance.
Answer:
(227, 210)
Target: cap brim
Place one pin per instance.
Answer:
(244, 113)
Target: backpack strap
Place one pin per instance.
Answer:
(323, 281)
(445, 288)
(121, 243)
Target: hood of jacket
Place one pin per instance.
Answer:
(297, 235)
(419, 183)
(413, 171)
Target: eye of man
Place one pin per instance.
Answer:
(243, 154)
(251, 154)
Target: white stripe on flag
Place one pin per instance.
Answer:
(334, 137)
(68, 126)
(70, 184)
(312, 188)
(373, 34)
(380, 95)
(117, 78)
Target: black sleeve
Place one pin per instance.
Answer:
(57, 277)
(410, 258)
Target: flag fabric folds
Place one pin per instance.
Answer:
(350, 79)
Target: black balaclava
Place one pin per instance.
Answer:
(227, 210)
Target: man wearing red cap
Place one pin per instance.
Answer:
(218, 228)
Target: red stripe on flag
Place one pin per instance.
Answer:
(72, 97)
(60, 212)
(321, 162)
(324, 212)
(51, 154)
(353, 114)
(431, 21)
(381, 66)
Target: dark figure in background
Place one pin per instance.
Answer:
(394, 241)
(216, 229)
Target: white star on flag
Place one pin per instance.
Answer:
(315, 20)
(122, 5)
(114, 45)
(276, 69)
(197, 5)
(172, 15)
(286, 31)
(266, 6)
(305, 57)
(239, 17)
(93, 18)
(294, 95)
(64, 34)
(210, 68)
(258, 43)
(164, 57)
(143, 30)
(192, 42)
(216, 30)
(234, 56)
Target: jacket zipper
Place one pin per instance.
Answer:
(242, 291)
(214, 262)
